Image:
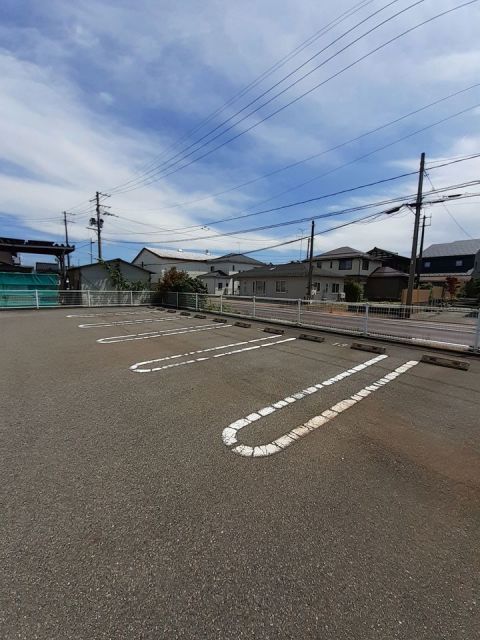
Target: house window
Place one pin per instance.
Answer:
(280, 286)
(335, 287)
(365, 264)
(212, 268)
(220, 285)
(427, 264)
(459, 263)
(233, 267)
(345, 264)
(331, 264)
(326, 288)
(319, 265)
(316, 285)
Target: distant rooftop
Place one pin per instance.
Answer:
(237, 257)
(181, 255)
(456, 248)
(343, 252)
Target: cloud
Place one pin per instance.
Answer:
(93, 92)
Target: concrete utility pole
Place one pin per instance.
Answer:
(66, 237)
(420, 253)
(310, 263)
(418, 209)
(96, 224)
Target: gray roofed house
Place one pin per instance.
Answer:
(290, 280)
(449, 259)
(456, 248)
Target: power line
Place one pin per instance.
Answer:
(449, 212)
(301, 96)
(183, 153)
(316, 155)
(268, 72)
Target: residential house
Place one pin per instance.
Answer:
(449, 259)
(159, 261)
(221, 279)
(96, 276)
(330, 271)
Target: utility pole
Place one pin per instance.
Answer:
(96, 224)
(420, 253)
(418, 209)
(310, 263)
(66, 236)
(91, 251)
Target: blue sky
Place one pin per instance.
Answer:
(94, 93)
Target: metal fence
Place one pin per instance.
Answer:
(42, 298)
(452, 327)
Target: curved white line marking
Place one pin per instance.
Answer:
(122, 322)
(261, 451)
(135, 367)
(175, 331)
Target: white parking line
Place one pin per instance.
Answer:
(160, 334)
(260, 451)
(135, 367)
(121, 322)
(109, 313)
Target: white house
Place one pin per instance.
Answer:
(158, 261)
(221, 277)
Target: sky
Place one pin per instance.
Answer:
(133, 99)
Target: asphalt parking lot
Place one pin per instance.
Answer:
(165, 476)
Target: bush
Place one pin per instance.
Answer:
(180, 281)
(353, 291)
(472, 288)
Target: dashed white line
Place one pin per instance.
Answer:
(135, 367)
(160, 334)
(122, 322)
(260, 451)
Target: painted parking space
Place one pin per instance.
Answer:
(124, 322)
(113, 313)
(174, 331)
(245, 345)
(229, 434)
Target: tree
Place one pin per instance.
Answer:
(174, 280)
(451, 284)
(118, 280)
(472, 288)
(353, 291)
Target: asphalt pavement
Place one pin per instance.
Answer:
(126, 513)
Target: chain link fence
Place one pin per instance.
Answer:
(42, 298)
(452, 327)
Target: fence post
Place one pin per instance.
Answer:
(177, 300)
(254, 306)
(476, 346)
(131, 298)
(365, 328)
(88, 298)
(196, 302)
(221, 303)
(36, 299)
(299, 312)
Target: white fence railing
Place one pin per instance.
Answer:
(42, 298)
(453, 327)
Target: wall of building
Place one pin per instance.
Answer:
(357, 268)
(447, 264)
(292, 287)
(160, 266)
(213, 287)
(96, 277)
